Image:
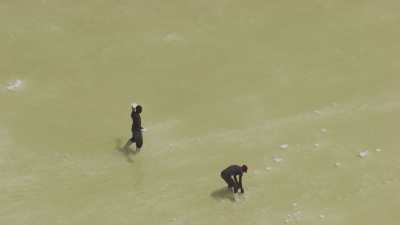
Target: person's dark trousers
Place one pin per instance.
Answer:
(228, 179)
(137, 138)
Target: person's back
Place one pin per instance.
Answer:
(232, 170)
(230, 174)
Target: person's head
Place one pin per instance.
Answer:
(244, 168)
(139, 108)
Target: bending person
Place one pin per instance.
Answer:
(231, 175)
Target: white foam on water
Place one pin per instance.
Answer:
(277, 159)
(294, 217)
(317, 112)
(363, 154)
(268, 125)
(15, 85)
(284, 146)
(173, 37)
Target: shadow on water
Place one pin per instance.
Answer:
(223, 193)
(127, 152)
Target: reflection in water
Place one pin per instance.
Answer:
(126, 151)
(223, 193)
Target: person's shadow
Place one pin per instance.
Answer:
(124, 150)
(223, 193)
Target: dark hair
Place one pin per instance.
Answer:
(244, 168)
(139, 108)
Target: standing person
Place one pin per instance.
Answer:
(137, 136)
(230, 177)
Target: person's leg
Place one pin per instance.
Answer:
(228, 181)
(139, 140)
(235, 186)
(130, 142)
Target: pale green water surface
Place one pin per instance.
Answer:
(221, 82)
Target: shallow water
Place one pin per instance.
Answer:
(221, 82)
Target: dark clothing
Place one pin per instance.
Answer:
(136, 122)
(230, 176)
(231, 183)
(233, 170)
(137, 136)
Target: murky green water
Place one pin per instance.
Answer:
(221, 82)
